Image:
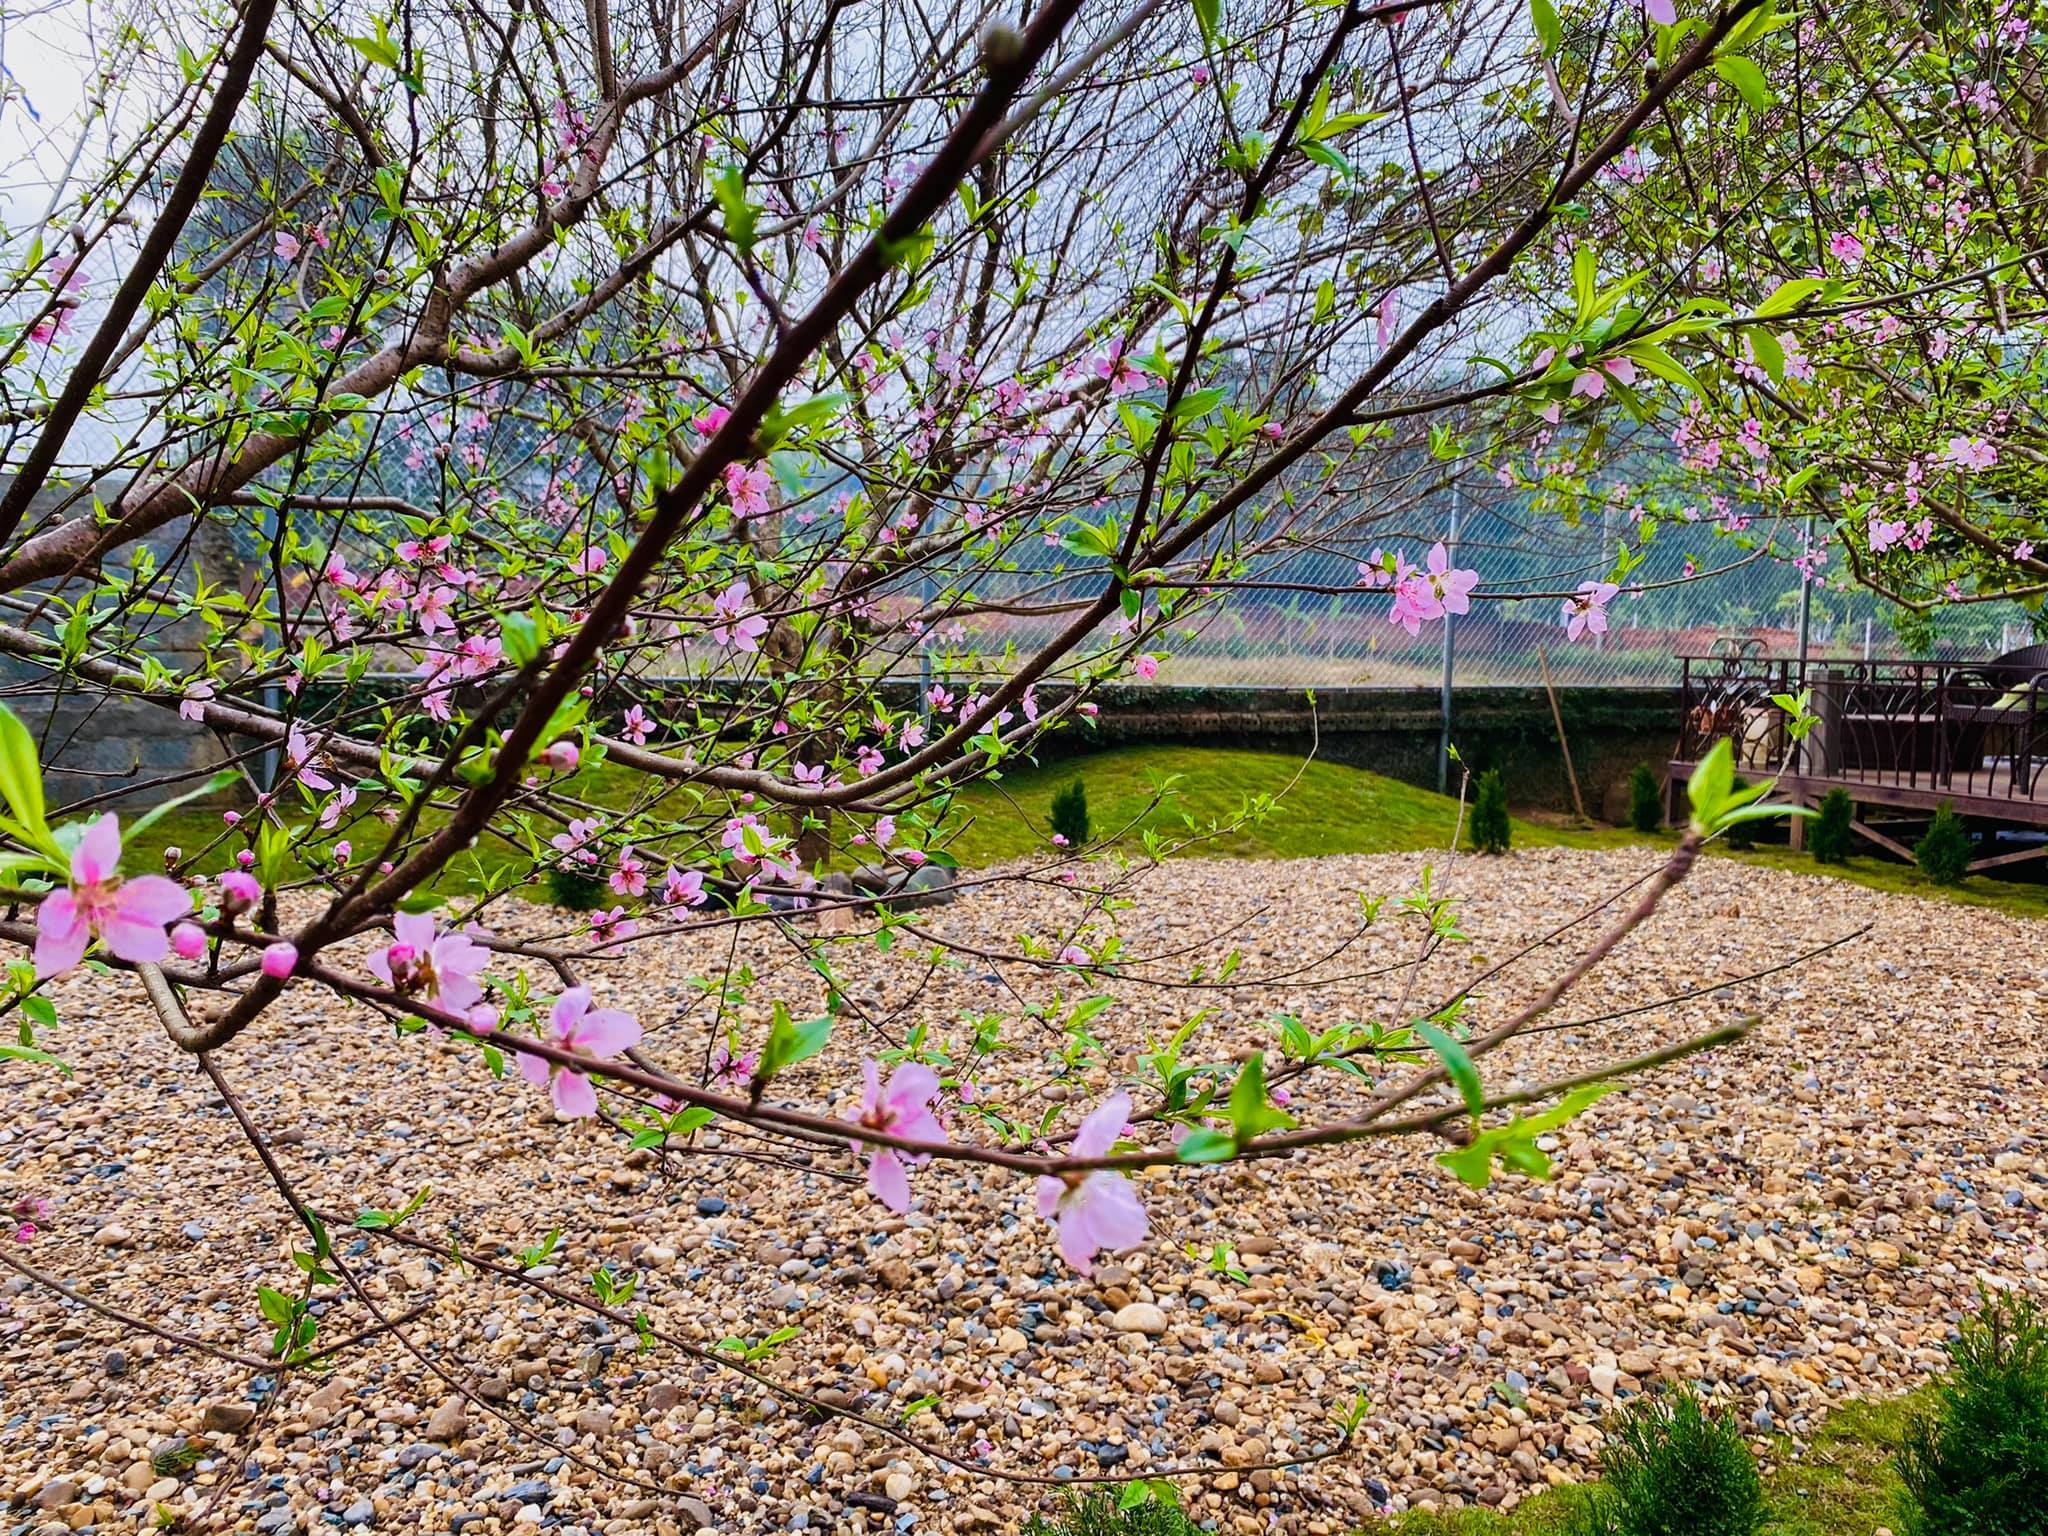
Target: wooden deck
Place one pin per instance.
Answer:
(1901, 736)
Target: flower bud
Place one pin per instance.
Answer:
(189, 940)
(280, 960)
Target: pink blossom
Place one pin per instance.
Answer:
(188, 941)
(1073, 954)
(1661, 12)
(1586, 614)
(193, 705)
(286, 245)
(575, 1025)
(1971, 453)
(1147, 667)
(636, 725)
(629, 876)
(1096, 1211)
(1884, 535)
(300, 759)
(734, 624)
(1389, 314)
(335, 808)
(746, 486)
(1845, 247)
(280, 959)
(902, 1109)
(562, 756)
(592, 560)
(128, 916)
(239, 891)
(683, 887)
(440, 968)
(710, 421)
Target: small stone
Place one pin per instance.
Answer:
(115, 1363)
(57, 1494)
(449, 1422)
(1140, 1317)
(710, 1205)
(361, 1512)
(898, 1486)
(1011, 1341)
(226, 1418)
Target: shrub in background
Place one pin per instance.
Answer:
(1674, 1467)
(1097, 1513)
(575, 890)
(1645, 799)
(1976, 1463)
(1070, 813)
(1490, 813)
(1944, 853)
(1828, 835)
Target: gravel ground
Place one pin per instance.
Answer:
(1795, 1221)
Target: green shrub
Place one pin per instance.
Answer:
(1645, 799)
(1944, 853)
(1976, 1463)
(1096, 1514)
(1070, 813)
(1673, 1467)
(1829, 836)
(575, 890)
(1490, 813)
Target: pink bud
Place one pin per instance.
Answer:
(483, 1018)
(245, 858)
(239, 891)
(189, 940)
(232, 818)
(280, 960)
(562, 756)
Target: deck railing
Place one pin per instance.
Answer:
(1976, 729)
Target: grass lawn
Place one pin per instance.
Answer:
(1842, 1484)
(1234, 804)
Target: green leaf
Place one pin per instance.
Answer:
(1549, 30)
(1788, 296)
(30, 1053)
(779, 423)
(1209, 17)
(729, 189)
(1457, 1062)
(1746, 78)
(790, 1043)
(1770, 356)
(380, 48)
(1199, 403)
(1251, 1114)
(21, 772)
(1206, 1146)
(1515, 1142)
(225, 779)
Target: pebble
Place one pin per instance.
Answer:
(1790, 1223)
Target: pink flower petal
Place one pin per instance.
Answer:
(98, 853)
(575, 1098)
(606, 1032)
(61, 934)
(152, 899)
(890, 1181)
(533, 1069)
(1104, 1124)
